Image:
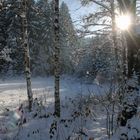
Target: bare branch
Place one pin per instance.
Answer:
(97, 24)
(101, 4)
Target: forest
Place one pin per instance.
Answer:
(69, 69)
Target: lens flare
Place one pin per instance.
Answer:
(123, 22)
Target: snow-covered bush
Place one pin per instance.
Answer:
(130, 132)
(129, 100)
(129, 119)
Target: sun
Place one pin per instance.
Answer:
(123, 22)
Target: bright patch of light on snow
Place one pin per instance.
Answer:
(12, 84)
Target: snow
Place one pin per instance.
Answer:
(130, 132)
(13, 94)
(14, 91)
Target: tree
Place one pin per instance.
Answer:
(126, 6)
(12, 34)
(13, 39)
(91, 58)
(26, 51)
(68, 39)
(56, 57)
(3, 36)
(132, 39)
(42, 39)
(103, 22)
(129, 102)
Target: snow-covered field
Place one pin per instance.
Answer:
(13, 94)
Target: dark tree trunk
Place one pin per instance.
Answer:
(56, 58)
(133, 43)
(131, 88)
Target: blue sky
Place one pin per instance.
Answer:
(77, 10)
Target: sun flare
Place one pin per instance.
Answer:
(123, 22)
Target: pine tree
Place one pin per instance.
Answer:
(14, 38)
(68, 39)
(12, 33)
(42, 39)
(4, 65)
(34, 28)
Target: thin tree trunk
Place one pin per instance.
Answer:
(112, 119)
(56, 58)
(114, 33)
(26, 53)
(125, 61)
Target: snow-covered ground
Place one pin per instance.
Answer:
(13, 93)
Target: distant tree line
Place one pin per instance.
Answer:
(78, 55)
(41, 37)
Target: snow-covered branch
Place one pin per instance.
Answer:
(98, 3)
(4, 54)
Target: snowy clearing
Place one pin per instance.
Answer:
(13, 94)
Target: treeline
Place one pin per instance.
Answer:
(41, 38)
(78, 55)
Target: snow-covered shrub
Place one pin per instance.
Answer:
(72, 125)
(130, 132)
(129, 100)
(129, 119)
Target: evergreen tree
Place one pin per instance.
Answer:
(11, 32)
(43, 39)
(92, 58)
(34, 28)
(3, 35)
(13, 39)
(68, 39)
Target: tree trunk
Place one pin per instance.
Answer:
(56, 58)
(114, 32)
(131, 88)
(128, 7)
(26, 51)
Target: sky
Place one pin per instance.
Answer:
(77, 11)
